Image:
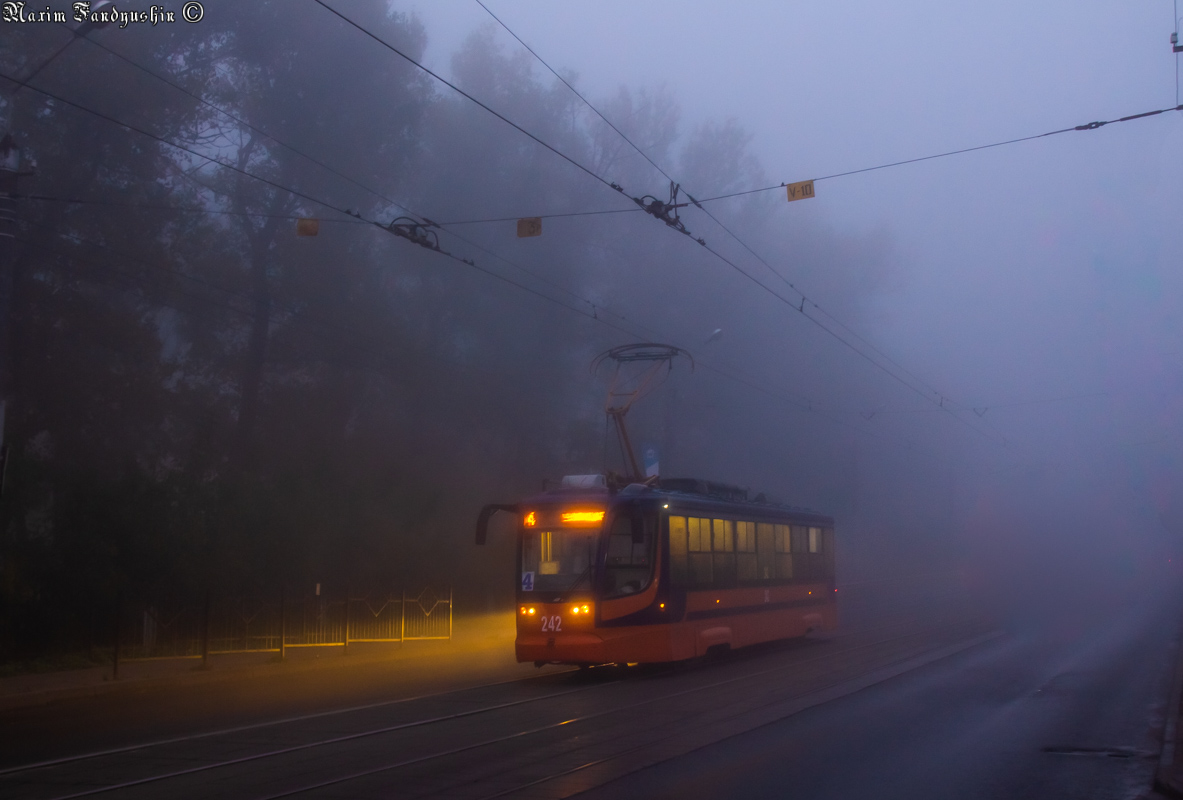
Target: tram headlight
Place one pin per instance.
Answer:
(530, 612)
(585, 609)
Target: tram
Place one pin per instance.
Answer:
(663, 570)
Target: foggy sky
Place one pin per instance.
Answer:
(1018, 275)
(1028, 295)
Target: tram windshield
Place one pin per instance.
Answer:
(558, 560)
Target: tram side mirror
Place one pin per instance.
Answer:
(482, 521)
(637, 529)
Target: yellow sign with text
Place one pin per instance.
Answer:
(799, 191)
(530, 226)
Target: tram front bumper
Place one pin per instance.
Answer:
(567, 648)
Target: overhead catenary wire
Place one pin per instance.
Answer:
(355, 218)
(937, 397)
(804, 298)
(593, 314)
(460, 91)
(295, 192)
(303, 355)
(888, 165)
(803, 406)
(593, 311)
(233, 167)
(615, 186)
(1089, 126)
(239, 120)
(578, 94)
(597, 309)
(541, 216)
(183, 209)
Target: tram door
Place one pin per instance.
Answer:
(630, 558)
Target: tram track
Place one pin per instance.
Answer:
(814, 697)
(142, 746)
(196, 737)
(310, 745)
(567, 722)
(630, 707)
(56, 762)
(797, 700)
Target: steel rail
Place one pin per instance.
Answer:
(403, 726)
(257, 725)
(632, 706)
(324, 742)
(48, 763)
(958, 647)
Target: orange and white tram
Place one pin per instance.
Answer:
(654, 573)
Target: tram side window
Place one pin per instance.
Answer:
(766, 551)
(724, 553)
(745, 537)
(745, 551)
(815, 540)
(678, 550)
(784, 552)
(698, 534)
(722, 542)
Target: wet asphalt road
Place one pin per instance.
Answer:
(1068, 704)
(920, 696)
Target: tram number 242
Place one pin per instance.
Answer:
(554, 623)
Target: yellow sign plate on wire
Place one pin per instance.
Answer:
(529, 226)
(799, 191)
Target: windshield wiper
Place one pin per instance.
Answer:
(581, 578)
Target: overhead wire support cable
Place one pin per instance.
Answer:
(654, 207)
(540, 216)
(357, 216)
(234, 117)
(399, 229)
(662, 211)
(460, 91)
(577, 93)
(295, 192)
(1088, 126)
(184, 148)
(161, 207)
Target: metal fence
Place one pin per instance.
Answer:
(253, 623)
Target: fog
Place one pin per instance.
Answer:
(983, 378)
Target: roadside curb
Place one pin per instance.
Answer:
(1167, 779)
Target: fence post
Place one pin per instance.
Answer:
(449, 613)
(283, 625)
(402, 625)
(118, 630)
(345, 647)
(205, 632)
